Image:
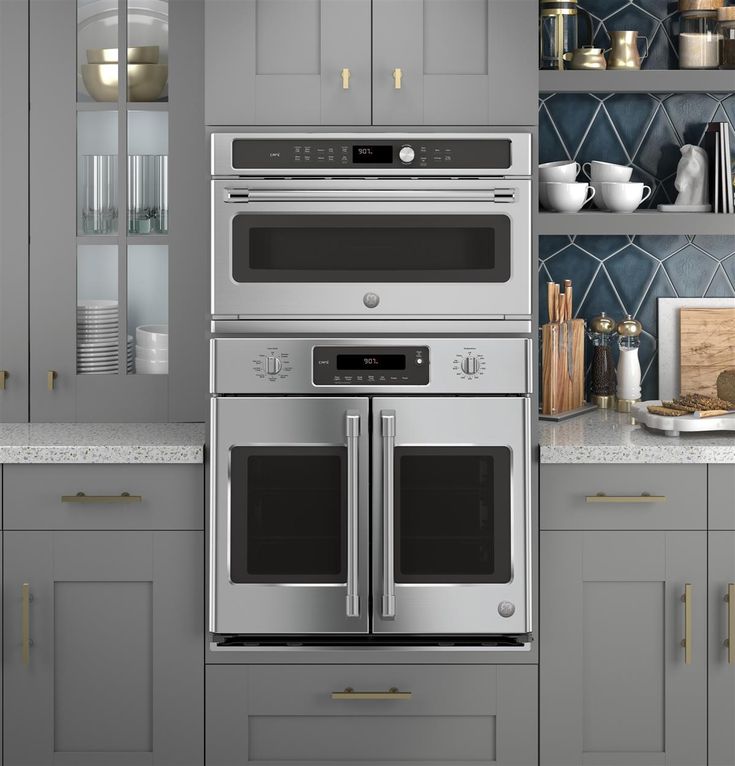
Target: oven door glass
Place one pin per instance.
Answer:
(370, 248)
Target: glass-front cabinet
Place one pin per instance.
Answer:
(101, 258)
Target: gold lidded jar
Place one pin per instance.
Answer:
(699, 40)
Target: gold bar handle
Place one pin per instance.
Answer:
(51, 376)
(25, 611)
(345, 79)
(392, 694)
(397, 77)
(686, 642)
(730, 640)
(81, 497)
(644, 497)
(3, 378)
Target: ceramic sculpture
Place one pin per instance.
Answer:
(691, 182)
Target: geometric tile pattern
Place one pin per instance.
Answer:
(644, 130)
(626, 275)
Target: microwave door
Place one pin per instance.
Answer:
(450, 515)
(289, 516)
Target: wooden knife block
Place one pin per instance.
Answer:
(562, 367)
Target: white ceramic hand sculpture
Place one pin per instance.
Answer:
(691, 176)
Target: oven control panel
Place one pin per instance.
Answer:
(371, 366)
(469, 364)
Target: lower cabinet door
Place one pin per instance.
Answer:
(103, 648)
(722, 648)
(617, 688)
(446, 715)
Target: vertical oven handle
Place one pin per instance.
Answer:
(388, 432)
(352, 429)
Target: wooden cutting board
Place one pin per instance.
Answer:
(707, 343)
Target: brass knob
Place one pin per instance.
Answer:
(51, 379)
(397, 77)
(345, 79)
(3, 378)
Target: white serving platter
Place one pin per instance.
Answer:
(673, 426)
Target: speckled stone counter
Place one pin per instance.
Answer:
(610, 437)
(102, 442)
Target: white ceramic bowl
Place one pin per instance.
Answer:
(607, 171)
(152, 336)
(569, 197)
(151, 354)
(562, 170)
(624, 197)
(147, 367)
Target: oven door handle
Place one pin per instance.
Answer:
(352, 430)
(244, 196)
(388, 432)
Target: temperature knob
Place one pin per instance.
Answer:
(469, 365)
(272, 365)
(407, 154)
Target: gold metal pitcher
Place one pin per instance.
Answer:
(624, 53)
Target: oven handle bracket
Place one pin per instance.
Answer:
(352, 431)
(242, 196)
(388, 432)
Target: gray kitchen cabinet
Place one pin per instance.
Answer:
(13, 211)
(721, 496)
(288, 62)
(113, 669)
(614, 683)
(461, 62)
(721, 655)
(454, 716)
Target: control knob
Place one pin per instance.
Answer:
(272, 365)
(407, 155)
(469, 365)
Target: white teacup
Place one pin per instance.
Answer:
(562, 170)
(568, 197)
(607, 171)
(624, 197)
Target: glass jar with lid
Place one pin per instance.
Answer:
(699, 42)
(726, 33)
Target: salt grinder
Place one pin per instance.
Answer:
(602, 385)
(629, 366)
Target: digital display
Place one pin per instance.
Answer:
(366, 154)
(371, 361)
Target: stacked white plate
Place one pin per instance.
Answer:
(151, 350)
(98, 327)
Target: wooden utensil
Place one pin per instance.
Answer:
(707, 347)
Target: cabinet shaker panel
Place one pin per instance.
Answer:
(721, 491)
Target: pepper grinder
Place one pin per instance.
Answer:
(602, 386)
(629, 366)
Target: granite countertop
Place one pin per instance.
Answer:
(602, 436)
(102, 442)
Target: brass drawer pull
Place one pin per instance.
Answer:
(51, 376)
(3, 377)
(397, 78)
(730, 640)
(392, 694)
(686, 642)
(123, 497)
(644, 497)
(345, 78)
(25, 620)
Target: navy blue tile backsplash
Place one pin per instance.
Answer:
(625, 275)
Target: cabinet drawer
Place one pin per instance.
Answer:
(455, 714)
(171, 497)
(623, 497)
(721, 489)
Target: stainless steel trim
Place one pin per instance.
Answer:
(352, 429)
(528, 515)
(370, 195)
(388, 432)
(386, 328)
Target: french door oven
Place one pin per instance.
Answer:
(393, 516)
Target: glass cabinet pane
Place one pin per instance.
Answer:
(148, 51)
(97, 173)
(452, 514)
(147, 172)
(148, 308)
(288, 514)
(97, 50)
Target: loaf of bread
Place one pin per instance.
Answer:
(726, 385)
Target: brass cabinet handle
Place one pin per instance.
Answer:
(392, 694)
(51, 379)
(397, 77)
(3, 377)
(81, 497)
(686, 642)
(644, 497)
(25, 614)
(730, 640)
(345, 79)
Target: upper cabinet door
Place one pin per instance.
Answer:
(287, 62)
(454, 62)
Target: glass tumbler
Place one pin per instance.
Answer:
(98, 176)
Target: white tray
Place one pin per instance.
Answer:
(673, 426)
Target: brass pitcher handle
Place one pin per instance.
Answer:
(645, 40)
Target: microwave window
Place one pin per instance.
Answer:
(345, 248)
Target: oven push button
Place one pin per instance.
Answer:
(506, 608)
